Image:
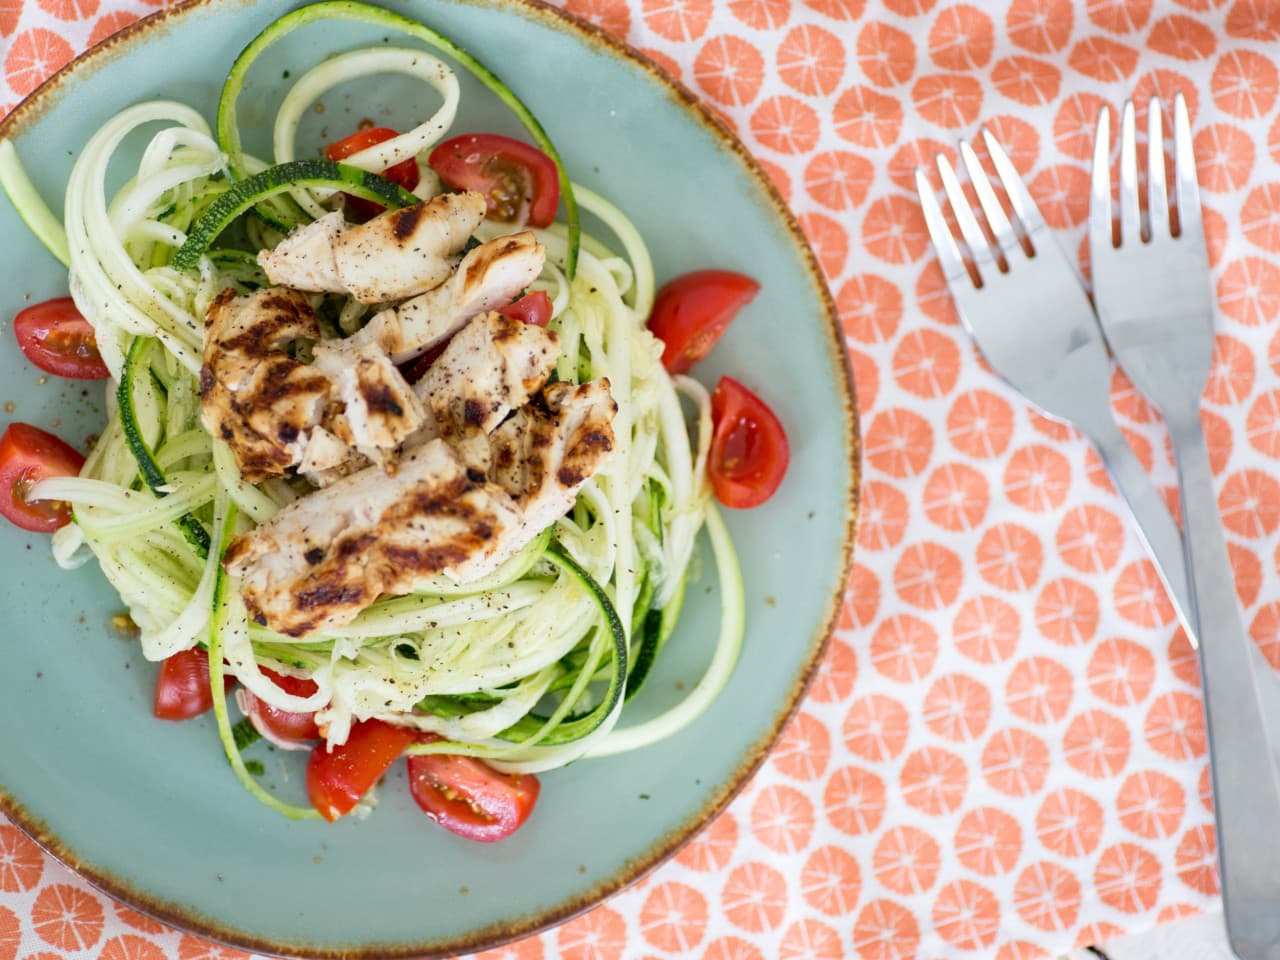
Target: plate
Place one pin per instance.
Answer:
(150, 811)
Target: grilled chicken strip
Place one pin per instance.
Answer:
(328, 457)
(328, 555)
(396, 255)
(304, 259)
(379, 408)
(489, 277)
(491, 367)
(545, 453)
(253, 395)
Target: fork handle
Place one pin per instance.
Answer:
(1161, 537)
(1245, 786)
(1156, 528)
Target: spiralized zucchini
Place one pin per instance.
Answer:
(526, 669)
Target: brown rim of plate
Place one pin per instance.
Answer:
(495, 935)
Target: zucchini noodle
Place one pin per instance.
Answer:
(111, 272)
(529, 668)
(35, 214)
(319, 80)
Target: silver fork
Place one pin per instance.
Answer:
(1155, 305)
(1037, 330)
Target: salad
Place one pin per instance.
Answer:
(396, 463)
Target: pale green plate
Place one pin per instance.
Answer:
(150, 811)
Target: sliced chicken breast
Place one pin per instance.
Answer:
(491, 367)
(380, 409)
(489, 277)
(328, 458)
(399, 254)
(544, 454)
(408, 251)
(304, 259)
(253, 394)
(327, 556)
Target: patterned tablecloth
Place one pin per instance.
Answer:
(1004, 754)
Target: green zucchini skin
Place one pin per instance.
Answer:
(228, 128)
(575, 728)
(192, 529)
(650, 637)
(248, 193)
(655, 628)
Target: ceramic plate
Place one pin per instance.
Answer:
(150, 811)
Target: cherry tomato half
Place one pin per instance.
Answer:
(338, 778)
(533, 308)
(183, 687)
(279, 725)
(519, 181)
(404, 173)
(692, 312)
(28, 454)
(468, 797)
(59, 340)
(749, 449)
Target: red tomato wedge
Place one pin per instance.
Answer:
(183, 687)
(404, 173)
(692, 312)
(59, 340)
(283, 726)
(519, 181)
(28, 454)
(533, 308)
(338, 778)
(749, 449)
(468, 797)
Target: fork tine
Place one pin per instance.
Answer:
(1157, 190)
(1006, 239)
(1023, 205)
(1100, 235)
(944, 243)
(1190, 224)
(974, 238)
(1130, 215)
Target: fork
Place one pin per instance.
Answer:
(1155, 305)
(1034, 324)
